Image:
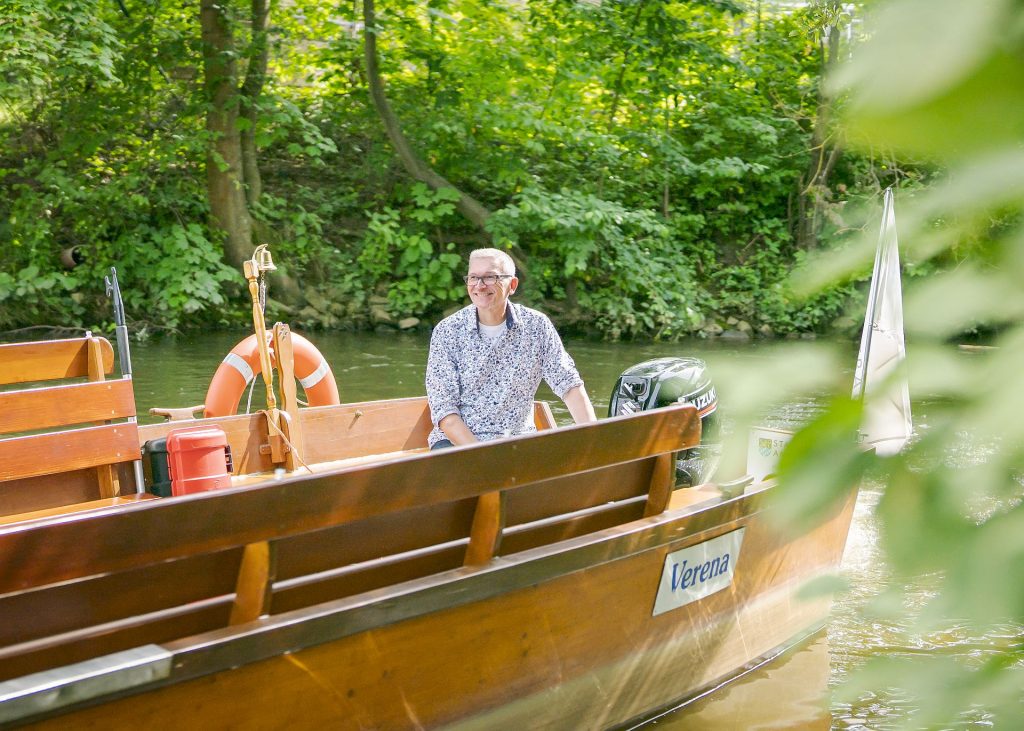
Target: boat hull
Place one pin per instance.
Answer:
(561, 636)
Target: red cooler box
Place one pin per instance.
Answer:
(199, 459)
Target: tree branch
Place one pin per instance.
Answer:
(249, 95)
(468, 206)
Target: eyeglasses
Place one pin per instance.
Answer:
(487, 280)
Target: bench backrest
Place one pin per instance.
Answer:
(69, 433)
(162, 570)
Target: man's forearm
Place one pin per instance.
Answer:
(578, 403)
(456, 430)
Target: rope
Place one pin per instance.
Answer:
(248, 403)
(291, 446)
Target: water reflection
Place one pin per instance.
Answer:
(790, 692)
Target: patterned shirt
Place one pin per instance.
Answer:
(491, 383)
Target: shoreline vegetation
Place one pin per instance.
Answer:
(657, 170)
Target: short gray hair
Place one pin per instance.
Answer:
(505, 263)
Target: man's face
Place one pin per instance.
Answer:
(490, 298)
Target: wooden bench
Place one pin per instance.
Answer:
(162, 570)
(70, 434)
(334, 436)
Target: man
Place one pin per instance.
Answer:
(486, 361)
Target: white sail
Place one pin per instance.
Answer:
(887, 423)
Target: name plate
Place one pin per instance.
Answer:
(698, 571)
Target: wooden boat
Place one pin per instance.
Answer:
(543, 581)
(348, 578)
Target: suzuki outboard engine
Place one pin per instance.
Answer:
(667, 381)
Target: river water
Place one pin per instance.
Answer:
(792, 692)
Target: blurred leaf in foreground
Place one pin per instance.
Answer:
(944, 80)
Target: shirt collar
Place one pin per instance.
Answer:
(472, 317)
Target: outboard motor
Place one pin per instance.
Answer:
(666, 381)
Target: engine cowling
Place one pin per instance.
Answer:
(665, 381)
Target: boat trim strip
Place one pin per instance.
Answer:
(51, 690)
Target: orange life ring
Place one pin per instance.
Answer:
(242, 365)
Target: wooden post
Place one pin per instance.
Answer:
(255, 582)
(488, 523)
(105, 474)
(663, 479)
(290, 401)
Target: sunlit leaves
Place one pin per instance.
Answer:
(944, 80)
(45, 44)
(941, 78)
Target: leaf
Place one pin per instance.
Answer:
(821, 465)
(920, 49)
(935, 81)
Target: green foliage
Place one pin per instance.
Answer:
(398, 258)
(26, 293)
(644, 158)
(621, 264)
(935, 81)
(46, 43)
(128, 195)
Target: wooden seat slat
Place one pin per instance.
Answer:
(76, 403)
(373, 538)
(350, 580)
(49, 360)
(142, 534)
(562, 495)
(560, 528)
(46, 492)
(43, 454)
(367, 428)
(163, 626)
(114, 596)
(79, 507)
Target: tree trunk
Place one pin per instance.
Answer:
(825, 153)
(232, 175)
(468, 206)
(224, 175)
(252, 87)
